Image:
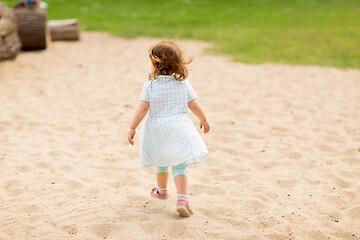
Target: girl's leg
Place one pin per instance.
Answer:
(180, 178)
(181, 184)
(162, 177)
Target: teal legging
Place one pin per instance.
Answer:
(176, 170)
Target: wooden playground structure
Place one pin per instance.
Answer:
(26, 25)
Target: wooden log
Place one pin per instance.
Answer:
(64, 29)
(31, 27)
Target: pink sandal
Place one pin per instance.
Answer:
(156, 194)
(183, 208)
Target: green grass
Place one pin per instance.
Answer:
(300, 32)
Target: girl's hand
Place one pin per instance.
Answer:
(206, 126)
(131, 135)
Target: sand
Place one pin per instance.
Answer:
(284, 143)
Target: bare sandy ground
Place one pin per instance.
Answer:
(284, 162)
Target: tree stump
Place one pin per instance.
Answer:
(64, 29)
(32, 27)
(9, 40)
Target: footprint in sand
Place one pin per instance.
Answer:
(23, 168)
(80, 146)
(351, 152)
(2, 156)
(184, 233)
(252, 206)
(65, 129)
(9, 144)
(238, 178)
(35, 155)
(43, 165)
(351, 160)
(74, 184)
(342, 183)
(13, 188)
(280, 131)
(70, 229)
(116, 185)
(300, 137)
(325, 148)
(110, 159)
(333, 139)
(102, 230)
(199, 188)
(294, 155)
(252, 136)
(215, 171)
(93, 191)
(60, 153)
(229, 150)
(354, 213)
(66, 168)
(6, 124)
(335, 200)
(316, 234)
(286, 183)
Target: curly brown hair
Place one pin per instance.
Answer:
(168, 59)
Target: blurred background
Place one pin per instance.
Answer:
(310, 32)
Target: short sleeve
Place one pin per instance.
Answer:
(190, 91)
(145, 94)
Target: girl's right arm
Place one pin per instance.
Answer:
(197, 110)
(138, 117)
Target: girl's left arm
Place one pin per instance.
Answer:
(140, 113)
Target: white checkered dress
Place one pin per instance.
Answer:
(168, 136)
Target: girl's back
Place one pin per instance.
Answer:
(167, 96)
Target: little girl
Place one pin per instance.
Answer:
(168, 137)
